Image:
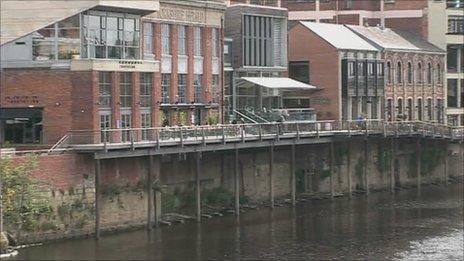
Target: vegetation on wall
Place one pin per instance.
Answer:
(430, 159)
(359, 168)
(213, 118)
(22, 198)
(383, 159)
(183, 117)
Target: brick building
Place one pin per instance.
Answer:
(398, 14)
(98, 65)
(348, 69)
(256, 85)
(414, 74)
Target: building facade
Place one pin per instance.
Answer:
(348, 70)
(112, 67)
(414, 70)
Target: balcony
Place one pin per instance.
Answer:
(114, 65)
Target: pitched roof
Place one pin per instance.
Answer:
(391, 39)
(22, 17)
(339, 36)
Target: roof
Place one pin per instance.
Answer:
(279, 83)
(22, 17)
(339, 36)
(391, 39)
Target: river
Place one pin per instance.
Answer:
(405, 226)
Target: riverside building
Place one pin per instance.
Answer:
(106, 65)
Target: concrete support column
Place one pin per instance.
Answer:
(271, 175)
(236, 184)
(293, 175)
(197, 186)
(419, 163)
(332, 163)
(97, 198)
(445, 171)
(392, 165)
(366, 163)
(348, 163)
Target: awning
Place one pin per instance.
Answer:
(279, 83)
(13, 113)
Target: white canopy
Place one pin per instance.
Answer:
(279, 83)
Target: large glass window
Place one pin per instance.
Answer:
(197, 84)
(181, 40)
(370, 69)
(182, 88)
(111, 35)
(197, 41)
(126, 90)
(452, 93)
(126, 123)
(452, 58)
(146, 83)
(145, 124)
(165, 39)
(165, 85)
(361, 69)
(104, 83)
(58, 41)
(215, 42)
(148, 40)
(456, 24)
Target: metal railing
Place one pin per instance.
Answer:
(188, 135)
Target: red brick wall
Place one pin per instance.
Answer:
(418, 25)
(324, 69)
(67, 98)
(349, 19)
(406, 5)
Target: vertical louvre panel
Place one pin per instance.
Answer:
(277, 42)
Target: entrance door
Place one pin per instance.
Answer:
(198, 116)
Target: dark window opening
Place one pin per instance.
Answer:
(21, 125)
(299, 71)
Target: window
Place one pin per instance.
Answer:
(126, 123)
(439, 75)
(216, 90)
(439, 110)
(126, 90)
(148, 39)
(348, 4)
(182, 88)
(419, 110)
(146, 83)
(456, 24)
(419, 75)
(429, 109)
(110, 35)
(462, 93)
(165, 39)
(105, 124)
(389, 73)
(351, 69)
(452, 93)
(197, 85)
(165, 85)
(21, 125)
(197, 42)
(380, 69)
(145, 124)
(300, 71)
(455, 3)
(215, 42)
(410, 109)
(361, 70)
(389, 110)
(370, 69)
(181, 40)
(409, 73)
(399, 73)
(429, 73)
(258, 40)
(104, 84)
(58, 41)
(452, 58)
(400, 107)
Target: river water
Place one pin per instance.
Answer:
(406, 226)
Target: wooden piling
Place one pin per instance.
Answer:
(366, 164)
(97, 198)
(419, 163)
(150, 196)
(292, 175)
(392, 165)
(197, 186)
(271, 175)
(236, 184)
(332, 163)
(348, 166)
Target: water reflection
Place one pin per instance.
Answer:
(380, 226)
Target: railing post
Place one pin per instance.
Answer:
(181, 137)
(384, 129)
(317, 129)
(278, 127)
(260, 132)
(131, 136)
(105, 140)
(297, 131)
(242, 132)
(203, 135)
(157, 137)
(223, 134)
(366, 127)
(349, 128)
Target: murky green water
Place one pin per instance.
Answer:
(382, 226)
